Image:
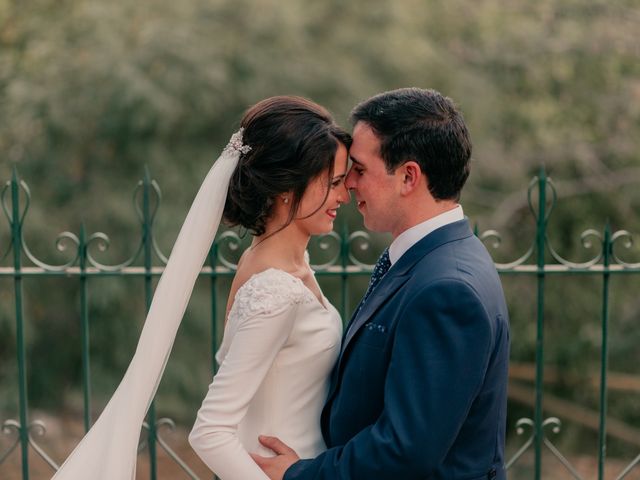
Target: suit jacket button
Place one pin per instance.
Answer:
(492, 474)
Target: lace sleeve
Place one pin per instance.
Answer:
(259, 324)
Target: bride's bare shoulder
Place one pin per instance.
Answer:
(250, 265)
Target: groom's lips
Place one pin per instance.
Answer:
(361, 203)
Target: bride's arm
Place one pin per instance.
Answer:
(259, 337)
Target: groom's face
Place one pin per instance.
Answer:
(376, 191)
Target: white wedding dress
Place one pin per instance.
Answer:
(280, 343)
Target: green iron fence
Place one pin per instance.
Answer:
(344, 265)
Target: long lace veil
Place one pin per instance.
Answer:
(109, 450)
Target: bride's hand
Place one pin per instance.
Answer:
(275, 467)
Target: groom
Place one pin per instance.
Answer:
(420, 388)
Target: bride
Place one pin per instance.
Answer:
(282, 336)
(282, 178)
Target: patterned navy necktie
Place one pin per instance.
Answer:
(381, 268)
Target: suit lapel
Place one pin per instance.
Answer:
(386, 288)
(401, 271)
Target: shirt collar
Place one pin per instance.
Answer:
(413, 235)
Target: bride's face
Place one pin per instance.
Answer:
(318, 208)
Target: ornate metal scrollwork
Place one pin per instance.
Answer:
(62, 240)
(39, 429)
(60, 243)
(7, 214)
(325, 243)
(629, 468)
(522, 425)
(552, 203)
(36, 428)
(103, 242)
(554, 425)
(10, 427)
(590, 239)
(155, 188)
(586, 239)
(228, 240)
(496, 240)
(166, 424)
(359, 241)
(4, 202)
(626, 238)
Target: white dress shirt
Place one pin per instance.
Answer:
(413, 235)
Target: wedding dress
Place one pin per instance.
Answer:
(279, 345)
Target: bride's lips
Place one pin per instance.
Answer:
(332, 212)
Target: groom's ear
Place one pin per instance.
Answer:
(411, 177)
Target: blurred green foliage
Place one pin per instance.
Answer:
(91, 92)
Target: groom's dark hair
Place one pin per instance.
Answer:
(423, 126)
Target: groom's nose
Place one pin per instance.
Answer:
(350, 180)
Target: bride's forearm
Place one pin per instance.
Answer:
(223, 453)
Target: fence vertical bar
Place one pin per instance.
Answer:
(344, 261)
(540, 250)
(213, 254)
(84, 329)
(148, 289)
(604, 361)
(16, 240)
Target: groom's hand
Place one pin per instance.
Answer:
(275, 467)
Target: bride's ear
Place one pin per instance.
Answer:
(282, 203)
(411, 177)
(285, 198)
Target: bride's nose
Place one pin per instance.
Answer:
(344, 196)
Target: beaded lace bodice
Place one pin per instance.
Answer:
(263, 294)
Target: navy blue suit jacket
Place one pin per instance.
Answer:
(420, 388)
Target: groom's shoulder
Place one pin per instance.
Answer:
(464, 258)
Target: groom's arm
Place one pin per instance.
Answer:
(440, 355)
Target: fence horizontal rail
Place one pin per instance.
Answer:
(329, 272)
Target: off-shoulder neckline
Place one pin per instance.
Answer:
(322, 303)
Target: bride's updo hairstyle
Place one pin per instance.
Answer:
(293, 140)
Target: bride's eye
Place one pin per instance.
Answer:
(337, 182)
